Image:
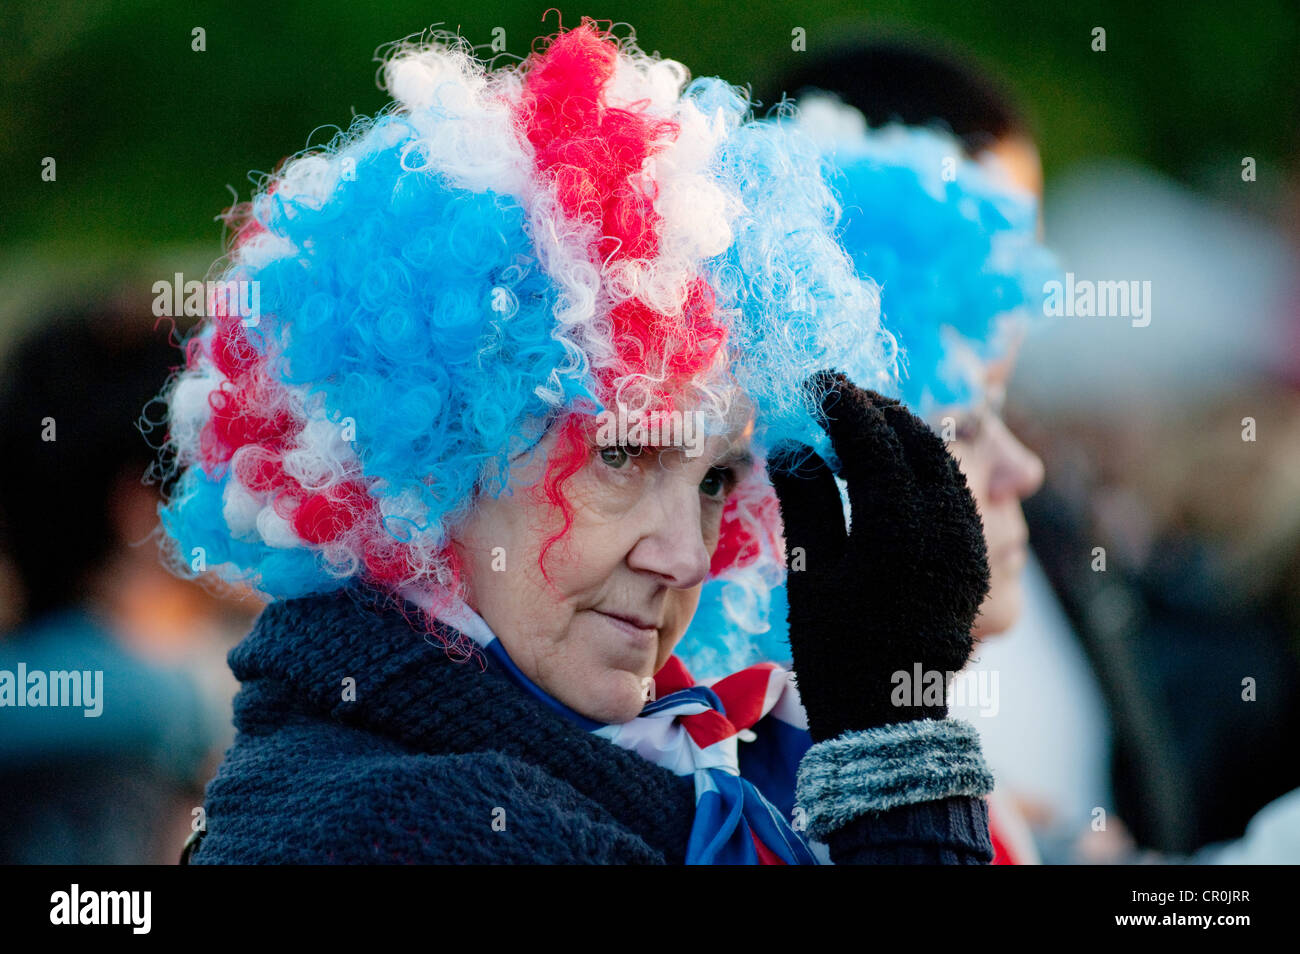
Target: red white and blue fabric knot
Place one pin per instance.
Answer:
(744, 796)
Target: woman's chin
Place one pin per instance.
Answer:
(613, 696)
(998, 615)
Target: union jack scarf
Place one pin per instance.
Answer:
(743, 797)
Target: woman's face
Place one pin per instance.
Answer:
(1001, 472)
(625, 578)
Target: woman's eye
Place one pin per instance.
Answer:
(614, 456)
(715, 482)
(969, 428)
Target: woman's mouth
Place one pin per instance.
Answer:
(1012, 551)
(639, 633)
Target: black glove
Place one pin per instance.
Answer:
(902, 588)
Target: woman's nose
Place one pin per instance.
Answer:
(1017, 471)
(671, 543)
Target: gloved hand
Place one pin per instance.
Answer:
(902, 587)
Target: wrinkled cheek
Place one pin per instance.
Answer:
(499, 559)
(711, 531)
(597, 500)
(684, 603)
(473, 562)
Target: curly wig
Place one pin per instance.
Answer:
(500, 252)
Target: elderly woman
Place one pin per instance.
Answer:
(528, 345)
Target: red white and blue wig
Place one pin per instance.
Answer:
(499, 253)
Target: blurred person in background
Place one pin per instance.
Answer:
(1174, 445)
(89, 594)
(1053, 737)
(899, 81)
(953, 246)
(1104, 658)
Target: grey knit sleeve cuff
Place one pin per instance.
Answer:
(891, 765)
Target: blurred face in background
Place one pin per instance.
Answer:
(1019, 159)
(1001, 472)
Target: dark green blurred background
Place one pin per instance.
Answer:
(150, 136)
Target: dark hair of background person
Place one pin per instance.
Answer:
(895, 80)
(91, 372)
